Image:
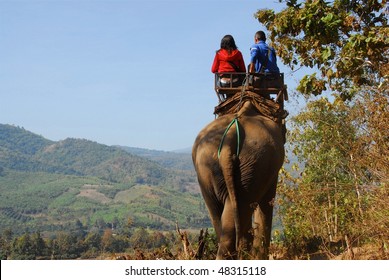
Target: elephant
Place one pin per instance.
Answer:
(237, 158)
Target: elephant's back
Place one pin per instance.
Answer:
(210, 136)
(262, 129)
(253, 130)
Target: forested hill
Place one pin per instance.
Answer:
(20, 141)
(174, 160)
(77, 184)
(22, 150)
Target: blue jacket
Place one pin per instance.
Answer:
(262, 54)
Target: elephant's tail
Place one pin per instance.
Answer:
(227, 164)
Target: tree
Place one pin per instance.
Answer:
(341, 193)
(342, 40)
(64, 246)
(369, 162)
(340, 189)
(38, 245)
(321, 205)
(5, 244)
(92, 243)
(22, 248)
(140, 238)
(370, 113)
(107, 240)
(158, 239)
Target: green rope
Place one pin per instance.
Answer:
(234, 121)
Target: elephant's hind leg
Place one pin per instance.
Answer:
(228, 245)
(215, 210)
(263, 216)
(227, 238)
(215, 207)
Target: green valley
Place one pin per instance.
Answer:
(77, 184)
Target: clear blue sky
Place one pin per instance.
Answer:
(133, 73)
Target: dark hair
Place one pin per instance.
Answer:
(228, 43)
(260, 35)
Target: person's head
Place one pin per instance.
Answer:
(260, 36)
(228, 43)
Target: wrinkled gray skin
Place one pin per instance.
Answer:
(239, 190)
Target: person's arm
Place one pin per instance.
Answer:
(215, 65)
(253, 57)
(241, 65)
(251, 68)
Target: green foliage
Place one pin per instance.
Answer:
(172, 160)
(336, 195)
(341, 195)
(142, 243)
(309, 84)
(51, 185)
(318, 133)
(343, 40)
(49, 202)
(20, 140)
(24, 151)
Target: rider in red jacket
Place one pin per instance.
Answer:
(228, 58)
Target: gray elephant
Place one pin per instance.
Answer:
(237, 158)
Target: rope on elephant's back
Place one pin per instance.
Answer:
(236, 122)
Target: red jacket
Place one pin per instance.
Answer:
(220, 63)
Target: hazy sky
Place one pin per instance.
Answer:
(133, 73)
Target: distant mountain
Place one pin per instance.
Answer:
(18, 146)
(184, 151)
(57, 185)
(181, 160)
(19, 140)
(25, 151)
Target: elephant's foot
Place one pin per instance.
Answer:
(260, 253)
(227, 256)
(226, 252)
(260, 250)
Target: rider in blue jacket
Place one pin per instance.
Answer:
(263, 57)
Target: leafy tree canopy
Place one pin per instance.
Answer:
(344, 40)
